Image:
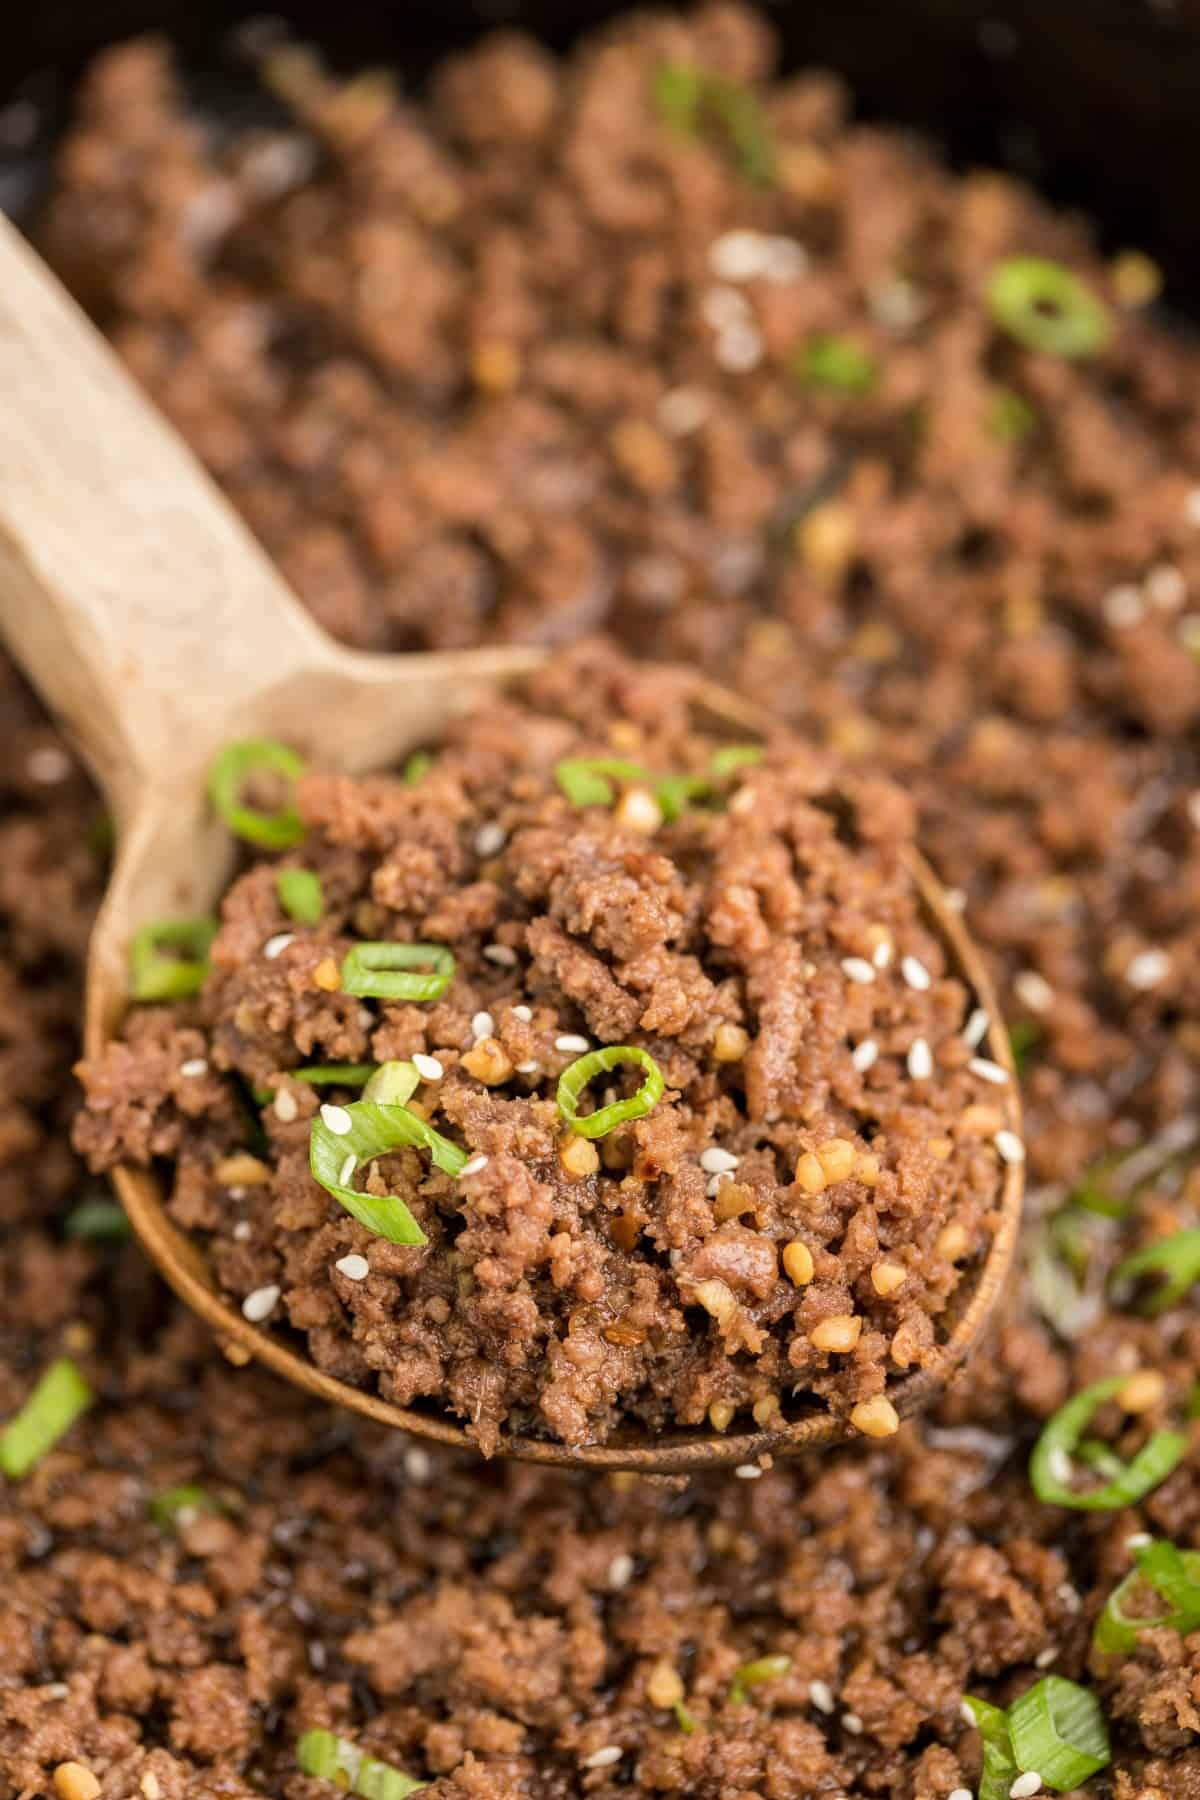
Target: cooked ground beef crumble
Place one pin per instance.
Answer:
(1002, 626)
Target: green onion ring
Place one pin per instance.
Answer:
(675, 793)
(98, 1222)
(1172, 1574)
(418, 765)
(165, 1508)
(577, 1075)
(227, 777)
(754, 1674)
(1058, 1729)
(1047, 307)
(336, 1759)
(377, 971)
(153, 976)
(60, 1396)
(334, 1074)
(836, 363)
(731, 757)
(583, 779)
(300, 895)
(999, 1763)
(378, 1125)
(1061, 1436)
(1177, 1257)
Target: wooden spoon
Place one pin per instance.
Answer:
(158, 631)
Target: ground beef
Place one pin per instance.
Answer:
(1003, 627)
(791, 1220)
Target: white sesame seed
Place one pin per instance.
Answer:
(865, 1055)
(490, 838)
(56, 1690)
(1148, 969)
(976, 1028)
(1137, 1540)
(1060, 1465)
(242, 1230)
(987, 1070)
(1165, 588)
(278, 944)
(716, 1182)
(418, 1464)
(428, 1067)
(473, 1167)
(1025, 1785)
(337, 1119)
(528, 1068)
(236, 1193)
(1044, 1658)
(1033, 990)
(821, 1695)
(195, 1065)
(1122, 606)
(1191, 506)
(524, 1013)
(723, 307)
(857, 968)
(737, 255)
(739, 348)
(602, 1759)
(483, 1025)
(785, 259)
(347, 1169)
(501, 954)
(366, 1018)
(898, 304)
(354, 1268)
(920, 1060)
(620, 1570)
(956, 899)
(48, 764)
(747, 1471)
(852, 1723)
(286, 1107)
(260, 1304)
(960, 1794)
(715, 1161)
(915, 973)
(572, 1043)
(683, 410)
(317, 1656)
(1009, 1146)
(881, 955)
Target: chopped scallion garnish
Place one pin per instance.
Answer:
(1058, 1729)
(60, 1396)
(754, 1674)
(335, 1074)
(98, 1222)
(390, 971)
(731, 757)
(828, 361)
(300, 895)
(1170, 1575)
(1010, 416)
(377, 1125)
(166, 1509)
(999, 1763)
(1024, 1036)
(227, 779)
(685, 1720)
(1177, 1257)
(675, 793)
(1047, 307)
(156, 976)
(576, 1077)
(418, 764)
(685, 97)
(336, 1759)
(584, 779)
(1050, 1466)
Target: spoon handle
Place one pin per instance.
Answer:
(130, 591)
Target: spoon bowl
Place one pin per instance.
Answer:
(159, 631)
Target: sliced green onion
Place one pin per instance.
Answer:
(334, 1074)
(1061, 1437)
(583, 779)
(675, 793)
(165, 1508)
(336, 1759)
(731, 757)
(828, 361)
(684, 95)
(392, 1084)
(576, 1077)
(754, 1674)
(685, 1720)
(1058, 1729)
(227, 778)
(999, 1763)
(300, 895)
(59, 1398)
(1174, 1576)
(1023, 1038)
(418, 764)
(376, 1126)
(154, 976)
(1177, 1257)
(381, 971)
(98, 1222)
(1063, 1277)
(1010, 416)
(1047, 307)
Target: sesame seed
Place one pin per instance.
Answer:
(1044, 1658)
(195, 1065)
(865, 1055)
(524, 1013)
(1009, 1146)
(528, 1068)
(852, 1723)
(278, 944)
(620, 1570)
(682, 411)
(747, 1471)
(956, 899)
(960, 1794)
(715, 1161)
(920, 1060)
(976, 1028)
(602, 1759)
(898, 304)
(317, 1656)
(347, 1169)
(1122, 606)
(785, 260)
(821, 1695)
(473, 1167)
(260, 1304)
(1033, 990)
(723, 307)
(286, 1107)
(737, 255)
(881, 955)
(428, 1067)
(418, 1464)
(490, 838)
(48, 765)
(987, 1070)
(56, 1690)
(571, 1042)
(1137, 1540)
(501, 955)
(1025, 1785)
(242, 1230)
(915, 973)
(739, 348)
(354, 1268)
(337, 1119)
(857, 968)
(483, 1025)
(1148, 969)
(1165, 588)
